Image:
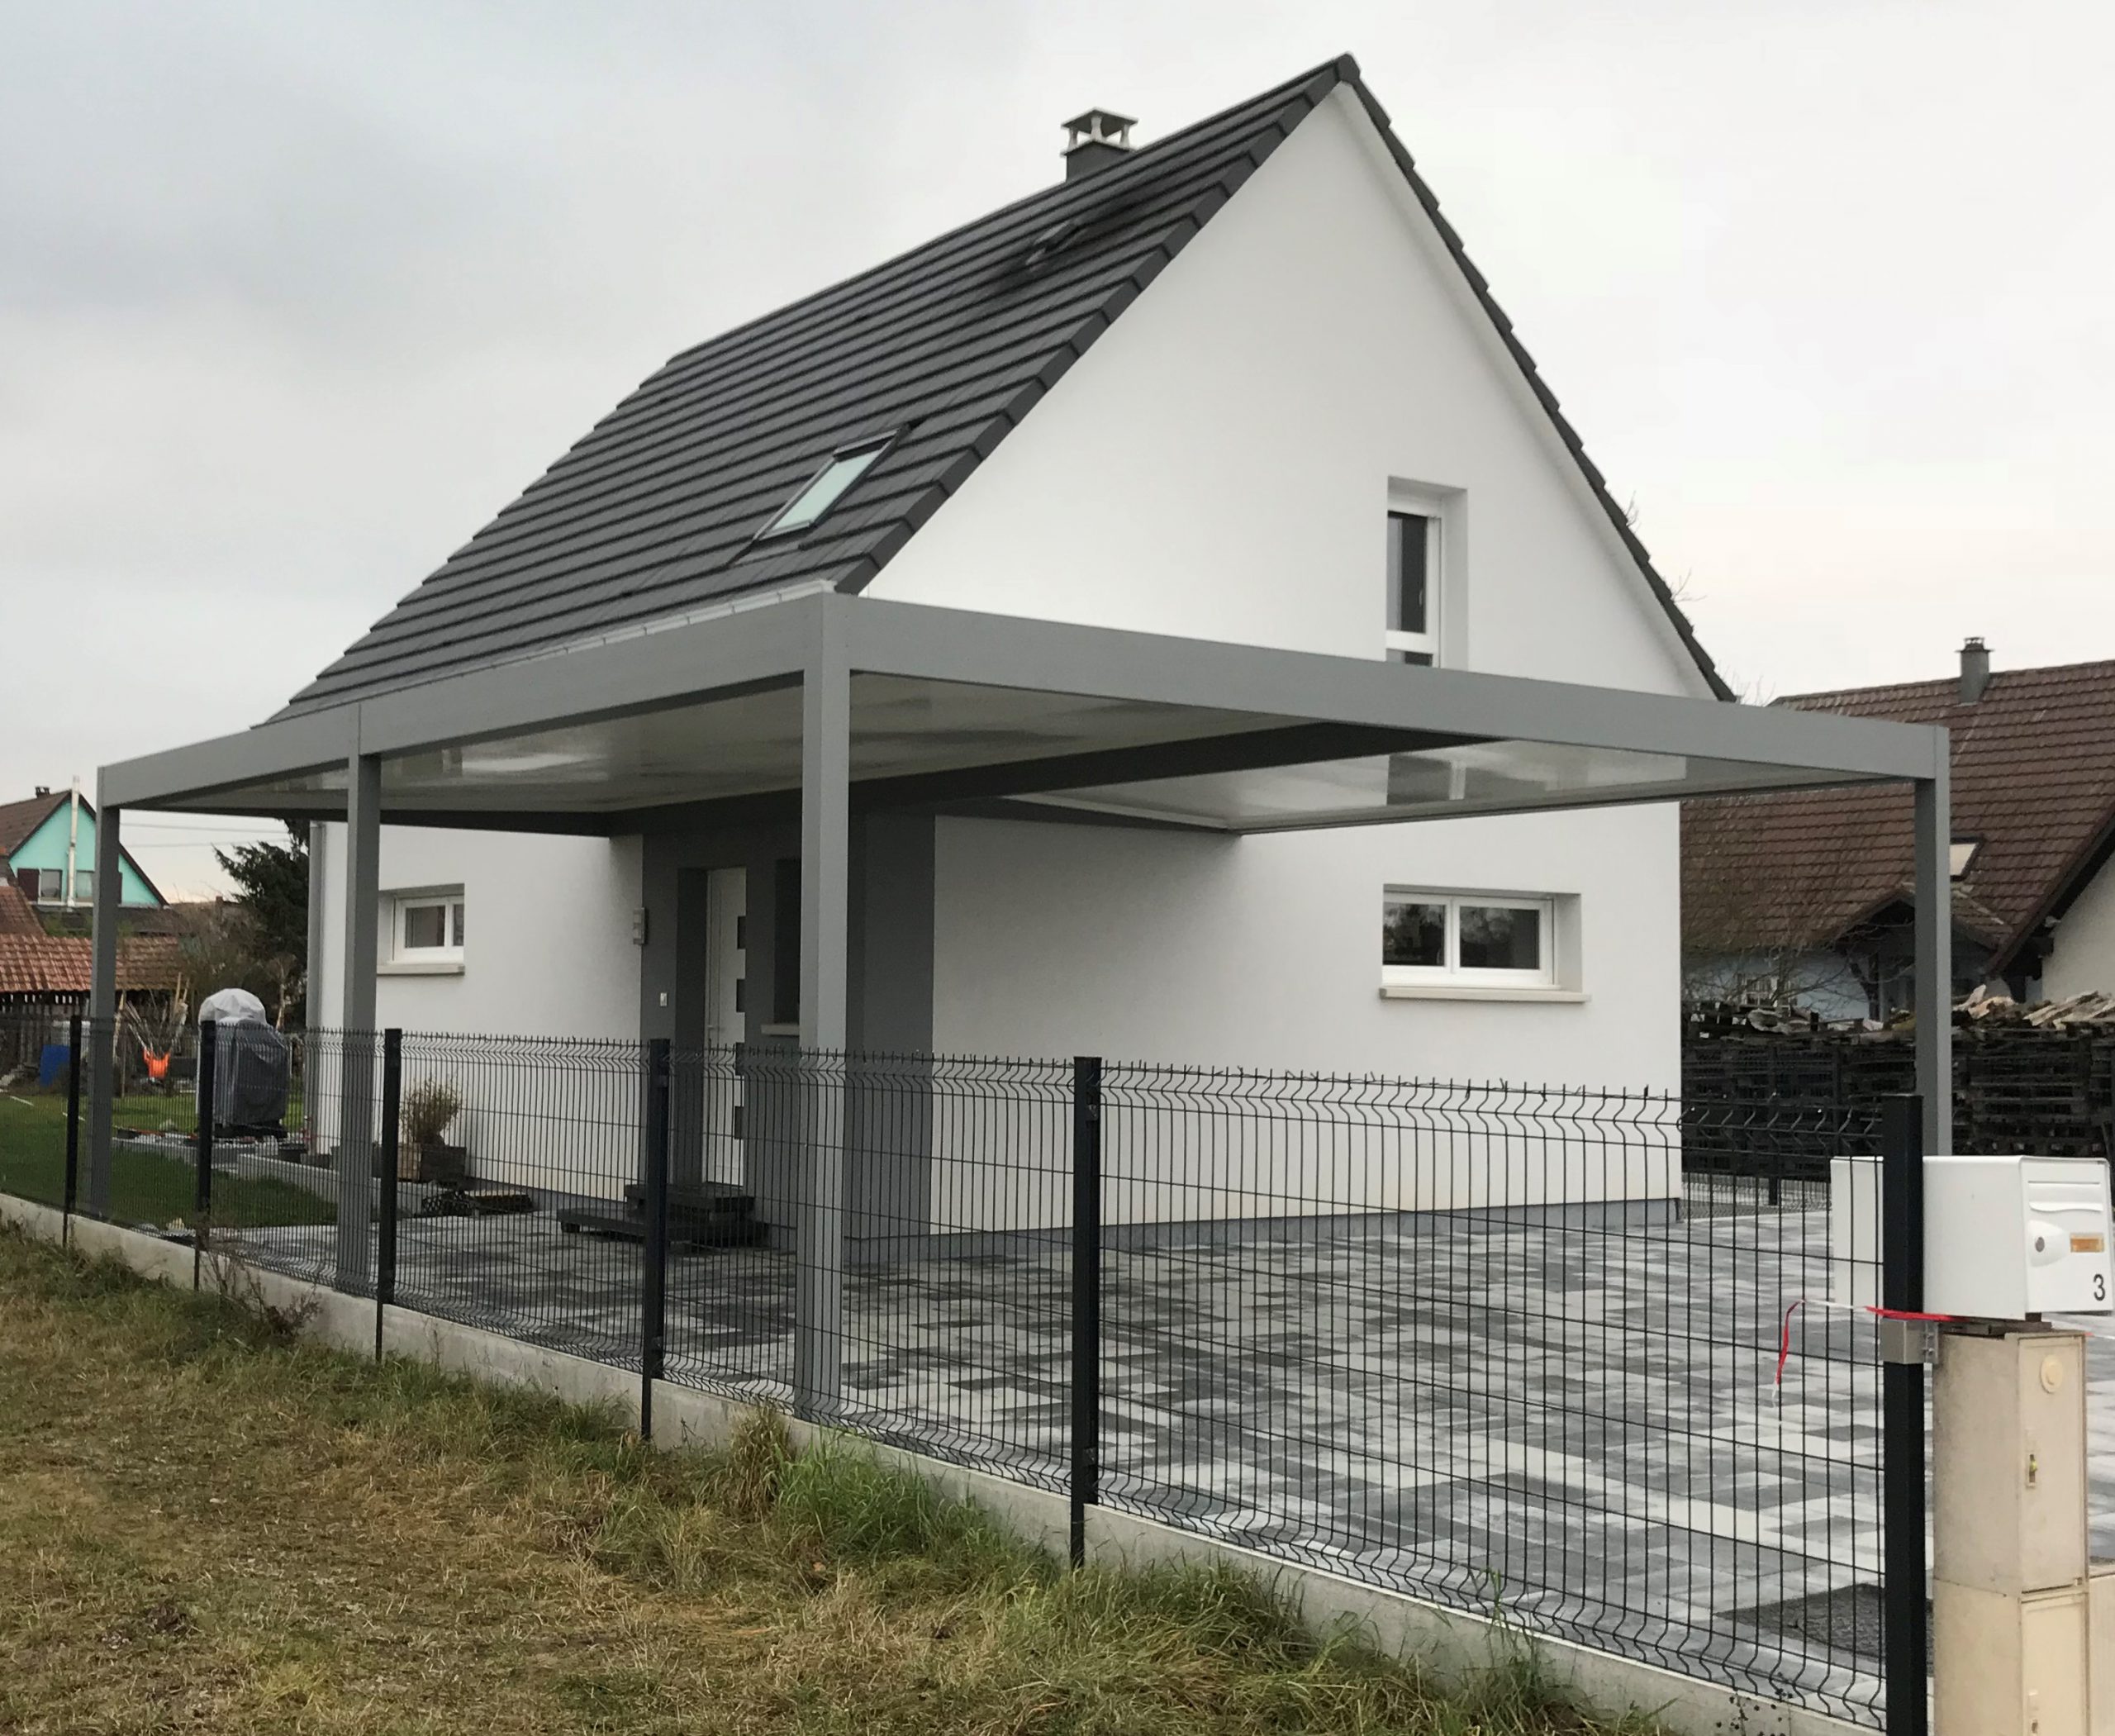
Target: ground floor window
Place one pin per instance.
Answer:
(1468, 938)
(426, 927)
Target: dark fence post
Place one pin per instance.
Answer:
(1905, 1619)
(652, 1306)
(71, 1196)
(385, 1253)
(208, 1054)
(1086, 1298)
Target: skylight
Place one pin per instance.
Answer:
(823, 489)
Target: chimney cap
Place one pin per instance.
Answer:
(1094, 140)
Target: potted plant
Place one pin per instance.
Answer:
(428, 1107)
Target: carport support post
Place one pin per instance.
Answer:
(825, 890)
(1934, 938)
(103, 1002)
(356, 1017)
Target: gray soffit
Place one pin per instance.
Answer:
(652, 516)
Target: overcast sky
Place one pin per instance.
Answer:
(293, 296)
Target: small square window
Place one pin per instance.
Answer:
(425, 928)
(823, 489)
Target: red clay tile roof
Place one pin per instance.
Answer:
(17, 916)
(54, 966)
(2033, 779)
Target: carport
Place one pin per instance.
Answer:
(829, 705)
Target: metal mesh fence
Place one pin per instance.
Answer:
(1505, 1348)
(1492, 1345)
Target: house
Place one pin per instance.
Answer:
(1313, 381)
(1034, 645)
(1806, 896)
(48, 851)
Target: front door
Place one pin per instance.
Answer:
(726, 923)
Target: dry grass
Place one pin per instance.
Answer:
(208, 1527)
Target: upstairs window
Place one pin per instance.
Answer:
(1413, 588)
(823, 489)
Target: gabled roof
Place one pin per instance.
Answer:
(653, 514)
(2033, 780)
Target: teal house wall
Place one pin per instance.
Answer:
(45, 847)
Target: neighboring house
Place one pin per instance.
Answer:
(1242, 385)
(1806, 896)
(48, 851)
(50, 971)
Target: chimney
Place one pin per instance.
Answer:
(44, 789)
(1096, 140)
(1974, 671)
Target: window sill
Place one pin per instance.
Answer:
(420, 968)
(1481, 992)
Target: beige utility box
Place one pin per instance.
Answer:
(2011, 1612)
(2005, 1238)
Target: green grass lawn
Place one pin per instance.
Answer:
(210, 1526)
(145, 1188)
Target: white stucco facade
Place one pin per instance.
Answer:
(2082, 957)
(1265, 951)
(548, 951)
(1220, 463)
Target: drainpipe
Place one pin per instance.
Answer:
(73, 836)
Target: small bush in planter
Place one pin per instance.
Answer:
(429, 1108)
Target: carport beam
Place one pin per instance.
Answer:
(102, 1000)
(356, 1017)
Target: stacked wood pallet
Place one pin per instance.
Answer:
(2039, 1079)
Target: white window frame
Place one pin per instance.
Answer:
(1548, 981)
(1445, 512)
(401, 957)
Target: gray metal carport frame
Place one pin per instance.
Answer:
(1316, 708)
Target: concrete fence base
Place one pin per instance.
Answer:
(1449, 1643)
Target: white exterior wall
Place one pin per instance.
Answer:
(2083, 960)
(549, 924)
(1219, 464)
(1265, 951)
(548, 952)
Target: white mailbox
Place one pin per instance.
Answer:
(2005, 1239)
